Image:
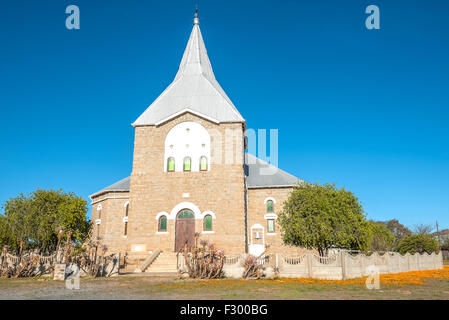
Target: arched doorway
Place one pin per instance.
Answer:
(185, 229)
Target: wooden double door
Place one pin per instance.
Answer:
(185, 230)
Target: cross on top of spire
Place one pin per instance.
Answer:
(196, 20)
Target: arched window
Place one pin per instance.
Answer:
(187, 139)
(171, 164)
(162, 224)
(203, 163)
(125, 233)
(187, 164)
(98, 222)
(207, 223)
(186, 214)
(270, 206)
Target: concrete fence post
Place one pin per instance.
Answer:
(434, 256)
(362, 264)
(309, 264)
(387, 262)
(277, 260)
(408, 262)
(418, 256)
(343, 265)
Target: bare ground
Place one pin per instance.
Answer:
(129, 287)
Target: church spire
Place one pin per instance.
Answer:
(194, 89)
(195, 59)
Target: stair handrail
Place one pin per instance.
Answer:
(148, 261)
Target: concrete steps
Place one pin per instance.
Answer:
(165, 263)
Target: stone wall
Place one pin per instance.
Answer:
(220, 190)
(257, 214)
(112, 226)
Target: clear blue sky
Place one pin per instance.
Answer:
(367, 110)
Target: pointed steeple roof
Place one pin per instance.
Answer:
(194, 89)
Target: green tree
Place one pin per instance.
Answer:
(381, 238)
(34, 219)
(418, 243)
(399, 230)
(322, 216)
(5, 232)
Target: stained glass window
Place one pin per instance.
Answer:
(171, 164)
(187, 161)
(163, 223)
(203, 164)
(270, 206)
(186, 214)
(207, 223)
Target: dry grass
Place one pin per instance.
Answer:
(432, 284)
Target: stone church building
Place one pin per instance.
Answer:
(191, 174)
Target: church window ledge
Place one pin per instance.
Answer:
(208, 232)
(162, 232)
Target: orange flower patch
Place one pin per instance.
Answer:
(389, 279)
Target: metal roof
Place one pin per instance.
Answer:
(194, 89)
(254, 169)
(260, 174)
(121, 186)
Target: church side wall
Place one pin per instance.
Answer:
(112, 227)
(257, 211)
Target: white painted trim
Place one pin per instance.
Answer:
(270, 216)
(272, 187)
(160, 214)
(106, 198)
(258, 226)
(160, 232)
(99, 207)
(126, 204)
(179, 145)
(269, 198)
(208, 232)
(98, 221)
(271, 233)
(199, 114)
(185, 205)
(205, 213)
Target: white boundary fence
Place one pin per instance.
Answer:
(340, 266)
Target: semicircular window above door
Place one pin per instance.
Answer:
(186, 214)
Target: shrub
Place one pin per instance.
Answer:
(204, 261)
(418, 243)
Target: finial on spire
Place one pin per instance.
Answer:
(196, 20)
